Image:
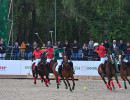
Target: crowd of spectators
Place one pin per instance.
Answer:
(74, 51)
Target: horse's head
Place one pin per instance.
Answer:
(65, 58)
(43, 58)
(120, 58)
(111, 58)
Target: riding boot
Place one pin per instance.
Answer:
(48, 66)
(60, 71)
(36, 71)
(102, 67)
(71, 64)
(118, 69)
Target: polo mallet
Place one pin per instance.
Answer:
(39, 37)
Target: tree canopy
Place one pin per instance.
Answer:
(76, 19)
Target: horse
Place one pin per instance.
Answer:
(124, 70)
(43, 71)
(67, 73)
(110, 71)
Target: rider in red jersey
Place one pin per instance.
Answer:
(37, 54)
(101, 50)
(49, 51)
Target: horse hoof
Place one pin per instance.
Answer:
(114, 90)
(66, 87)
(41, 81)
(34, 82)
(121, 88)
(125, 87)
(47, 86)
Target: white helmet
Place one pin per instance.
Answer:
(96, 44)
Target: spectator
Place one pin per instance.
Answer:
(49, 42)
(16, 51)
(91, 47)
(67, 49)
(2, 50)
(43, 48)
(59, 42)
(122, 46)
(113, 47)
(23, 47)
(106, 45)
(34, 45)
(84, 45)
(28, 51)
(2, 40)
(128, 52)
(75, 48)
(55, 45)
(85, 52)
(102, 44)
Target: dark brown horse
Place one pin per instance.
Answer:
(124, 70)
(67, 73)
(43, 71)
(110, 71)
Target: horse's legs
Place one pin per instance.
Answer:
(66, 78)
(56, 76)
(72, 77)
(41, 78)
(112, 84)
(124, 82)
(109, 80)
(34, 77)
(45, 81)
(48, 80)
(105, 82)
(127, 79)
(117, 81)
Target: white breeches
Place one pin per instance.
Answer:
(103, 60)
(49, 60)
(37, 62)
(59, 63)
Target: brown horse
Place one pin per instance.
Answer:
(124, 70)
(43, 71)
(110, 71)
(67, 73)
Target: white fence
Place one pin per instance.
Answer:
(23, 67)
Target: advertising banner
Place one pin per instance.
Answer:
(88, 68)
(26, 67)
(23, 67)
(9, 67)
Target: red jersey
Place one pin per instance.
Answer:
(38, 54)
(50, 53)
(101, 51)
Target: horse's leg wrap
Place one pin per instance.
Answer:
(46, 83)
(112, 83)
(65, 82)
(34, 80)
(107, 85)
(41, 78)
(125, 84)
(70, 88)
(58, 80)
(110, 87)
(119, 85)
(57, 86)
